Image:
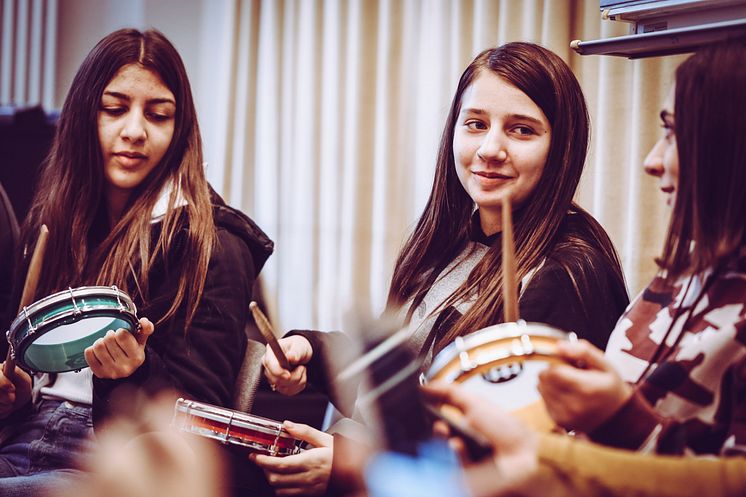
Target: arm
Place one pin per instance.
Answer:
(525, 463)
(204, 362)
(590, 470)
(318, 358)
(639, 425)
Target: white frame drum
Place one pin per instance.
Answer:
(508, 345)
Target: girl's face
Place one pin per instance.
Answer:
(663, 159)
(500, 144)
(135, 128)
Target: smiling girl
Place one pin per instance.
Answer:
(518, 124)
(124, 194)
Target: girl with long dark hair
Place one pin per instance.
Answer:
(518, 125)
(680, 348)
(124, 194)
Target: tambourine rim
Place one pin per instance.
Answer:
(80, 292)
(127, 312)
(483, 336)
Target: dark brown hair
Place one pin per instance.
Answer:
(82, 248)
(710, 128)
(442, 231)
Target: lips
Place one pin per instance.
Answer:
(131, 155)
(491, 175)
(130, 160)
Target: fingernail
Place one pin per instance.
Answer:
(288, 424)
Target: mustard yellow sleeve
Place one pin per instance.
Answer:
(586, 469)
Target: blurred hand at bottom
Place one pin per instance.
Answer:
(515, 445)
(141, 455)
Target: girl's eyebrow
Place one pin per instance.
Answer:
(152, 101)
(520, 117)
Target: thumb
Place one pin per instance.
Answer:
(308, 434)
(146, 329)
(584, 355)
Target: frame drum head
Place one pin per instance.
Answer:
(502, 363)
(51, 335)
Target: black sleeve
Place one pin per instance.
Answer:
(332, 352)
(590, 309)
(203, 363)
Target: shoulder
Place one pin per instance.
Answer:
(581, 244)
(234, 228)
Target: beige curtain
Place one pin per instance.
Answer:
(333, 112)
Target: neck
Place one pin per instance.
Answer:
(490, 220)
(115, 201)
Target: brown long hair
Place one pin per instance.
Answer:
(69, 196)
(442, 231)
(710, 127)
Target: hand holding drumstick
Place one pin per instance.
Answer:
(284, 360)
(15, 384)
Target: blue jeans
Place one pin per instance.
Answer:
(44, 453)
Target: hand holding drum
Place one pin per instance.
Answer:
(119, 353)
(584, 391)
(52, 334)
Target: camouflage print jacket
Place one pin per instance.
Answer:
(684, 346)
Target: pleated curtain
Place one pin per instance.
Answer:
(324, 119)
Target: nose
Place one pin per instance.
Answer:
(653, 163)
(134, 126)
(492, 148)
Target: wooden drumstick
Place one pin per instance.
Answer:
(269, 335)
(29, 288)
(510, 292)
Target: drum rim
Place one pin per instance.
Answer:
(486, 335)
(25, 344)
(256, 446)
(182, 413)
(279, 430)
(21, 336)
(80, 292)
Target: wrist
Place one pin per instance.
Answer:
(520, 461)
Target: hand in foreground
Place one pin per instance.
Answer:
(304, 474)
(119, 353)
(582, 399)
(298, 350)
(515, 445)
(139, 454)
(508, 436)
(15, 391)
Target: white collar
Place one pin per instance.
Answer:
(161, 205)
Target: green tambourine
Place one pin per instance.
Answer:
(51, 335)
